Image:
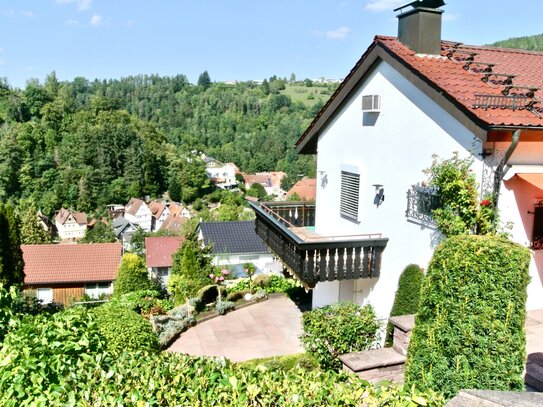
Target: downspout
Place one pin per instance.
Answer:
(502, 169)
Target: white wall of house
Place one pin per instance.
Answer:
(391, 148)
(161, 273)
(225, 173)
(71, 229)
(142, 218)
(235, 261)
(157, 223)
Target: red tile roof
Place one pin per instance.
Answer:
(173, 222)
(133, 206)
(267, 179)
(75, 263)
(306, 189)
(450, 75)
(159, 250)
(156, 209)
(63, 215)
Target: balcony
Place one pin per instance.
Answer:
(288, 228)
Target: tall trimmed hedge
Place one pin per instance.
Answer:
(469, 330)
(407, 296)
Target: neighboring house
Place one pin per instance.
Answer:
(180, 210)
(115, 210)
(158, 255)
(222, 175)
(138, 213)
(178, 216)
(405, 100)
(71, 225)
(44, 222)
(234, 244)
(271, 181)
(160, 212)
(62, 273)
(123, 230)
(305, 189)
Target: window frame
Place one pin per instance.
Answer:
(349, 194)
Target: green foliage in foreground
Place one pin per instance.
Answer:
(406, 301)
(132, 275)
(336, 329)
(469, 330)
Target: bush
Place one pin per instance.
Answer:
(210, 293)
(469, 330)
(132, 275)
(406, 301)
(222, 307)
(168, 328)
(237, 295)
(124, 329)
(140, 301)
(336, 329)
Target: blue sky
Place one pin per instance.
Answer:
(232, 39)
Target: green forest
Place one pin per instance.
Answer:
(531, 43)
(84, 144)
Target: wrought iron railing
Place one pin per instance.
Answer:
(421, 201)
(311, 257)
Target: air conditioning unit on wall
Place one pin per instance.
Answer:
(371, 103)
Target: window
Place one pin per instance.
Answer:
(537, 234)
(350, 191)
(421, 201)
(45, 295)
(95, 290)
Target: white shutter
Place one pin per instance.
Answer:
(350, 191)
(45, 295)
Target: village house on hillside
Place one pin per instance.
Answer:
(406, 99)
(305, 189)
(271, 181)
(160, 212)
(138, 213)
(71, 225)
(159, 253)
(62, 273)
(222, 175)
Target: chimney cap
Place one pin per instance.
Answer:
(423, 3)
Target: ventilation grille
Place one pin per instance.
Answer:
(350, 191)
(371, 103)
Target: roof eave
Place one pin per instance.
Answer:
(307, 144)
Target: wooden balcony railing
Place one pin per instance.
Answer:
(312, 257)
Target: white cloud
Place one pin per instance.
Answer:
(130, 23)
(450, 17)
(337, 34)
(72, 23)
(96, 20)
(28, 14)
(383, 5)
(81, 4)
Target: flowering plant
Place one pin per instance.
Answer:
(485, 202)
(218, 277)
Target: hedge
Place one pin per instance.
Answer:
(469, 330)
(406, 301)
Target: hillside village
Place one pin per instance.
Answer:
(169, 237)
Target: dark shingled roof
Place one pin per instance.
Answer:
(232, 237)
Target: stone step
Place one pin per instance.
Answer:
(490, 398)
(375, 365)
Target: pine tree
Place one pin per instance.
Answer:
(11, 256)
(31, 231)
(204, 80)
(132, 275)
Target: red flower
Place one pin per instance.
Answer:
(485, 202)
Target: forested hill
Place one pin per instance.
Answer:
(532, 43)
(83, 144)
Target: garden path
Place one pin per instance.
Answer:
(268, 328)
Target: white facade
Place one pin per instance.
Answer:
(235, 262)
(157, 222)
(70, 229)
(390, 148)
(143, 217)
(222, 175)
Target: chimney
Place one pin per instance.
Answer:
(419, 28)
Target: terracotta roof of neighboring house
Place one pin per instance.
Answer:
(75, 263)
(133, 206)
(175, 208)
(306, 189)
(455, 83)
(159, 250)
(267, 179)
(232, 237)
(173, 222)
(63, 214)
(234, 166)
(156, 209)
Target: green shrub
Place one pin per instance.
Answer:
(7, 298)
(237, 295)
(289, 362)
(140, 301)
(209, 293)
(261, 280)
(132, 275)
(222, 307)
(336, 329)
(124, 329)
(168, 328)
(406, 301)
(469, 330)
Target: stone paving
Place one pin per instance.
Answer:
(268, 328)
(534, 331)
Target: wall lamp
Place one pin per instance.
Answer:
(379, 194)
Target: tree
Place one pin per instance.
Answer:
(204, 80)
(257, 191)
(137, 241)
(11, 256)
(31, 230)
(132, 275)
(227, 213)
(292, 77)
(99, 233)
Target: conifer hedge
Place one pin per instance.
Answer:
(469, 330)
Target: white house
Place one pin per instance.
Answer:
(70, 224)
(138, 213)
(222, 175)
(406, 99)
(160, 212)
